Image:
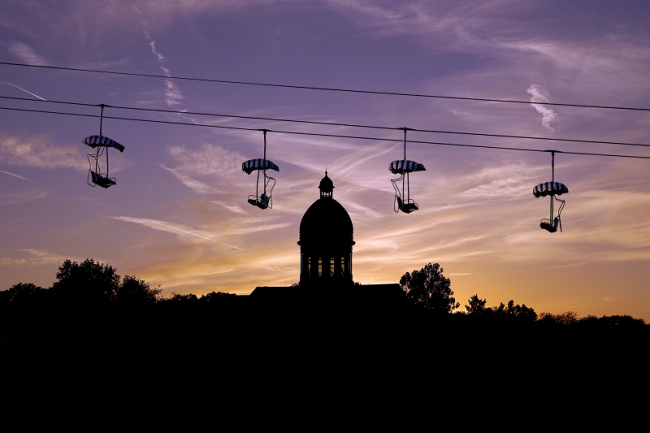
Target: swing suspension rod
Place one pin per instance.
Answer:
(258, 173)
(264, 131)
(405, 176)
(406, 180)
(552, 180)
(101, 124)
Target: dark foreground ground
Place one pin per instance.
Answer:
(247, 338)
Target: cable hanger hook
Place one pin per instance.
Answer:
(553, 152)
(264, 131)
(552, 165)
(404, 128)
(101, 118)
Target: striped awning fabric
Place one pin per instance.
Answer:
(405, 166)
(258, 164)
(550, 188)
(99, 140)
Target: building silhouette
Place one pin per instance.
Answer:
(326, 240)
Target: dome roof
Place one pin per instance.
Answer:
(326, 219)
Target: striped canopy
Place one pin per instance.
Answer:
(99, 140)
(258, 164)
(405, 166)
(550, 188)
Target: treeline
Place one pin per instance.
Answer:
(523, 321)
(477, 308)
(93, 315)
(90, 284)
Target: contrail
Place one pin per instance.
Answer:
(27, 91)
(193, 234)
(160, 224)
(15, 175)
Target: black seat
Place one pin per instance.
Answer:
(262, 203)
(407, 207)
(102, 181)
(547, 225)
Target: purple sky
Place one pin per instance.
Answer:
(178, 215)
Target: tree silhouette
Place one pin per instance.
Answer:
(86, 282)
(525, 312)
(134, 291)
(216, 296)
(566, 319)
(188, 298)
(476, 305)
(429, 289)
(521, 311)
(22, 293)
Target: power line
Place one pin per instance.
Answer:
(326, 135)
(312, 122)
(330, 89)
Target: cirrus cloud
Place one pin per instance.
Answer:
(27, 54)
(39, 152)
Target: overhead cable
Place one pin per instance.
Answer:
(325, 135)
(330, 89)
(313, 122)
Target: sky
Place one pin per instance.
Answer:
(178, 215)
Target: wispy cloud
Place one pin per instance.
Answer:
(509, 188)
(27, 54)
(37, 257)
(540, 94)
(244, 230)
(173, 95)
(7, 199)
(194, 184)
(185, 233)
(38, 151)
(231, 206)
(207, 159)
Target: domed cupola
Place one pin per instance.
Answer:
(326, 240)
(326, 187)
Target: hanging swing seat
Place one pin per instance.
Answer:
(546, 224)
(102, 181)
(262, 202)
(552, 225)
(267, 184)
(552, 189)
(407, 207)
(101, 143)
(403, 167)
